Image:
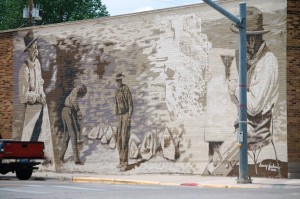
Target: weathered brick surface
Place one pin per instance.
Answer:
(6, 84)
(293, 79)
(292, 83)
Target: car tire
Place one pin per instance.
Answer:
(24, 174)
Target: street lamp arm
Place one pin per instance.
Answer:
(236, 20)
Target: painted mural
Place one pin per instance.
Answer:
(152, 93)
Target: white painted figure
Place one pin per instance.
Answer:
(36, 125)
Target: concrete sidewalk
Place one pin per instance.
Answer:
(171, 180)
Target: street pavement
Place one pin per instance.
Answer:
(171, 180)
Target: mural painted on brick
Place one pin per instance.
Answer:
(157, 94)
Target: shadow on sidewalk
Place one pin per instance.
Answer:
(134, 165)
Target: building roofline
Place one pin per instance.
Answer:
(109, 17)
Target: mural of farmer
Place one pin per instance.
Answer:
(124, 110)
(36, 126)
(71, 117)
(262, 83)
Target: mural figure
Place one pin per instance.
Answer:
(36, 125)
(124, 110)
(181, 76)
(262, 84)
(71, 117)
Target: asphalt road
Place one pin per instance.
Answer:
(12, 188)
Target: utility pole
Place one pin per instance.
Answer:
(240, 22)
(30, 12)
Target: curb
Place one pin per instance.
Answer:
(119, 181)
(221, 186)
(143, 182)
(229, 186)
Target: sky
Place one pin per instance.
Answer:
(119, 7)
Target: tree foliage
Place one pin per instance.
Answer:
(53, 11)
(11, 13)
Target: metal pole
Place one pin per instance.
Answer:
(243, 169)
(30, 12)
(241, 24)
(227, 14)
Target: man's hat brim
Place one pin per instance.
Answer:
(34, 40)
(119, 76)
(248, 32)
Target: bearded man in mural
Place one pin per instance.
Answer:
(262, 83)
(124, 110)
(36, 126)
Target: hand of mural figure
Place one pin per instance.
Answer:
(40, 99)
(232, 86)
(43, 100)
(79, 115)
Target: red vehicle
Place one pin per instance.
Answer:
(20, 157)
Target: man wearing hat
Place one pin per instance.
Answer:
(31, 90)
(36, 125)
(124, 109)
(262, 82)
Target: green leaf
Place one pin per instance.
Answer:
(53, 11)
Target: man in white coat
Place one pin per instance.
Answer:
(36, 126)
(262, 82)
(262, 87)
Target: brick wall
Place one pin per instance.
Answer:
(6, 84)
(293, 85)
(292, 73)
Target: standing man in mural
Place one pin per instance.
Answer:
(124, 109)
(262, 83)
(31, 93)
(71, 117)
